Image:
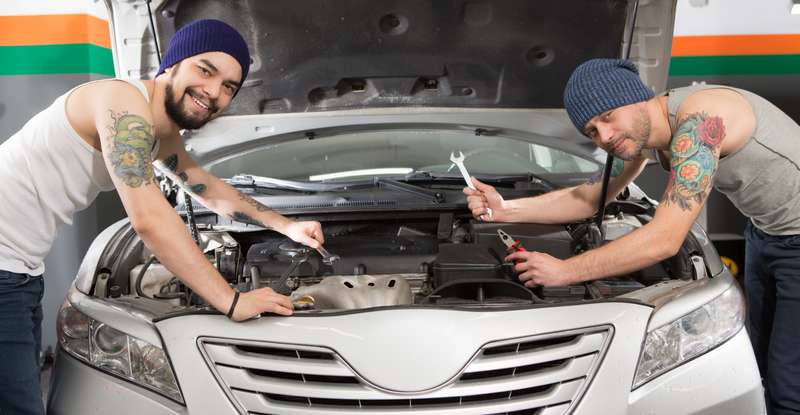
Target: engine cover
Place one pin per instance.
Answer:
(357, 291)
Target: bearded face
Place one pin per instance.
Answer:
(191, 110)
(630, 143)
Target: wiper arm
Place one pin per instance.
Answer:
(272, 183)
(248, 180)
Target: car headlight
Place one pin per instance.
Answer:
(692, 335)
(113, 351)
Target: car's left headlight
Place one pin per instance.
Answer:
(106, 348)
(692, 335)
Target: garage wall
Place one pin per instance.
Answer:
(46, 48)
(754, 45)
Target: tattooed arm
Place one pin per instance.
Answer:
(226, 200)
(560, 206)
(694, 153)
(123, 123)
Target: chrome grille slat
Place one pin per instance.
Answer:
(226, 355)
(542, 375)
(241, 379)
(259, 404)
(583, 345)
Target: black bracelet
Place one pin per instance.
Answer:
(233, 303)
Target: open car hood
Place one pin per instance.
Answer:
(317, 55)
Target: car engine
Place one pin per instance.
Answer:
(440, 260)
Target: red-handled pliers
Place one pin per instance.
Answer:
(511, 244)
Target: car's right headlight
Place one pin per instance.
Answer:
(115, 352)
(692, 335)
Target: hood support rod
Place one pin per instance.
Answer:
(601, 210)
(187, 200)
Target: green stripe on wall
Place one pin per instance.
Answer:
(734, 65)
(56, 59)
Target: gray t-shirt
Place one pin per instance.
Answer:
(762, 179)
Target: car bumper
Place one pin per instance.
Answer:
(723, 381)
(720, 382)
(76, 388)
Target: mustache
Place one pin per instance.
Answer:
(212, 103)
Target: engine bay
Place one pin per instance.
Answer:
(436, 259)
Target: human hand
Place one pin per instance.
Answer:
(262, 300)
(485, 202)
(308, 233)
(536, 268)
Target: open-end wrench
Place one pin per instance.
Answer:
(327, 257)
(281, 285)
(459, 162)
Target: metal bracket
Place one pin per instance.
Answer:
(699, 265)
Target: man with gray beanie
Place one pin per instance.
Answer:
(705, 136)
(106, 135)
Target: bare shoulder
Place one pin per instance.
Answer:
(109, 92)
(92, 100)
(725, 108)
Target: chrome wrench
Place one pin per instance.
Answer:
(459, 162)
(327, 257)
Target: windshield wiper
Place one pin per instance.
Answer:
(281, 184)
(248, 180)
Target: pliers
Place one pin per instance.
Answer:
(511, 244)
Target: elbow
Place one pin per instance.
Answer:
(669, 250)
(668, 246)
(144, 225)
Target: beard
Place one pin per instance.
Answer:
(639, 136)
(176, 110)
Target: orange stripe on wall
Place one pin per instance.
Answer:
(736, 45)
(54, 29)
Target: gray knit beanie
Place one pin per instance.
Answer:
(599, 85)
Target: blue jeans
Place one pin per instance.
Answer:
(772, 282)
(20, 342)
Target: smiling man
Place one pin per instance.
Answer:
(705, 136)
(107, 135)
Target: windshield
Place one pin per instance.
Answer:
(395, 152)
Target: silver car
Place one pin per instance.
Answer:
(349, 117)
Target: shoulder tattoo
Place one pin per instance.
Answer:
(132, 139)
(694, 151)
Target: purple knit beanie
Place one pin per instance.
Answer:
(599, 85)
(206, 35)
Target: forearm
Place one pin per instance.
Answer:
(637, 250)
(166, 236)
(560, 206)
(226, 200)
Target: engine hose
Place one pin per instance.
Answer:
(140, 276)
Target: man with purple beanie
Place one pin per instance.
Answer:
(106, 135)
(705, 136)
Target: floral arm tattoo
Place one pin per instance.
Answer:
(695, 151)
(616, 169)
(132, 139)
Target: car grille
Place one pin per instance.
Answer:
(541, 375)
